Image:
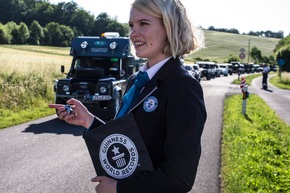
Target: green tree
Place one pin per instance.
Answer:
(104, 23)
(47, 37)
(114, 25)
(58, 35)
(83, 21)
(67, 35)
(12, 28)
(23, 33)
(54, 34)
(5, 36)
(232, 58)
(256, 54)
(43, 13)
(284, 53)
(282, 43)
(268, 59)
(12, 10)
(36, 33)
(101, 23)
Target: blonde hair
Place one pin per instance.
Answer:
(183, 37)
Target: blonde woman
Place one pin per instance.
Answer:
(172, 123)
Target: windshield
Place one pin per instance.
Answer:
(111, 66)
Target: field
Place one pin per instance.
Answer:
(220, 45)
(26, 81)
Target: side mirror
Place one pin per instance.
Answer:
(62, 68)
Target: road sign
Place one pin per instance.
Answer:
(242, 55)
(242, 50)
(281, 62)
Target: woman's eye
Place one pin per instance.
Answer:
(143, 23)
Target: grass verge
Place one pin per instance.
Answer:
(27, 75)
(248, 78)
(281, 82)
(255, 148)
(10, 118)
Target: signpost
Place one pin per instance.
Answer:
(244, 88)
(281, 62)
(242, 55)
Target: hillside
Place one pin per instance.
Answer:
(220, 45)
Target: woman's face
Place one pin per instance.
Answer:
(148, 36)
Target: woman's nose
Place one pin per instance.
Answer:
(134, 34)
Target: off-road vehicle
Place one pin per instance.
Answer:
(98, 73)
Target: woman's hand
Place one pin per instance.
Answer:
(106, 184)
(79, 116)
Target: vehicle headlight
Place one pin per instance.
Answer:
(113, 45)
(84, 44)
(103, 89)
(65, 88)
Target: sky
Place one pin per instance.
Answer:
(243, 15)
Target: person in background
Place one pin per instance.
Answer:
(172, 124)
(265, 72)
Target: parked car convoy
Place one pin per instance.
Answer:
(217, 70)
(224, 69)
(211, 70)
(193, 70)
(206, 70)
(197, 72)
(189, 69)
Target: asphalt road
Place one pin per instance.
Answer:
(44, 156)
(208, 175)
(277, 99)
(50, 156)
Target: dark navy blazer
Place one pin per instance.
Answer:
(170, 114)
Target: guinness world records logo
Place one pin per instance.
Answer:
(118, 156)
(150, 104)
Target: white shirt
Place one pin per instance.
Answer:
(266, 69)
(154, 69)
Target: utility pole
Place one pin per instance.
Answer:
(249, 47)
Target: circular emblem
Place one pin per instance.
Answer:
(150, 104)
(118, 156)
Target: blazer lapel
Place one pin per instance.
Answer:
(148, 89)
(163, 73)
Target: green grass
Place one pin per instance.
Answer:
(220, 45)
(27, 75)
(281, 82)
(248, 78)
(10, 118)
(255, 149)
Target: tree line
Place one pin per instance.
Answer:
(267, 33)
(39, 22)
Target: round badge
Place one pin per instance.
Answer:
(150, 104)
(118, 156)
